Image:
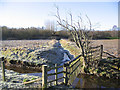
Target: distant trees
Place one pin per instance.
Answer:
(101, 35)
(25, 33)
(42, 33)
(105, 34)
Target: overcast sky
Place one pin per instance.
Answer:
(103, 15)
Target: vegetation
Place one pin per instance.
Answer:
(72, 48)
(25, 80)
(105, 34)
(31, 33)
(36, 33)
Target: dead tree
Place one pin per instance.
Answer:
(79, 33)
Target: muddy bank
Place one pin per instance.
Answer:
(23, 66)
(92, 81)
(23, 69)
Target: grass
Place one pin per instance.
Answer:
(25, 80)
(113, 37)
(71, 48)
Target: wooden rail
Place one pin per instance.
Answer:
(55, 80)
(71, 61)
(73, 70)
(105, 52)
(55, 73)
(116, 59)
(56, 67)
(94, 55)
(95, 47)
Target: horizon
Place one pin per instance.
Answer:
(103, 15)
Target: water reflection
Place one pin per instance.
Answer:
(91, 81)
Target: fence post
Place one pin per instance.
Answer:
(118, 64)
(65, 74)
(44, 76)
(3, 68)
(101, 51)
(56, 74)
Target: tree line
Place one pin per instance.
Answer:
(40, 33)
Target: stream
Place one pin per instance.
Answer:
(66, 58)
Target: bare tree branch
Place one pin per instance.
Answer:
(79, 34)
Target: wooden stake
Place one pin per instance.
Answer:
(3, 68)
(101, 51)
(44, 76)
(65, 74)
(56, 70)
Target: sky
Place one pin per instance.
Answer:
(103, 15)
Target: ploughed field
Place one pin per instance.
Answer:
(32, 52)
(110, 46)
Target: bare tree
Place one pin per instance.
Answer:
(79, 32)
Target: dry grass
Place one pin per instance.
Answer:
(71, 47)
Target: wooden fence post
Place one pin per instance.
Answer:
(3, 68)
(118, 64)
(65, 74)
(44, 76)
(101, 51)
(56, 74)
